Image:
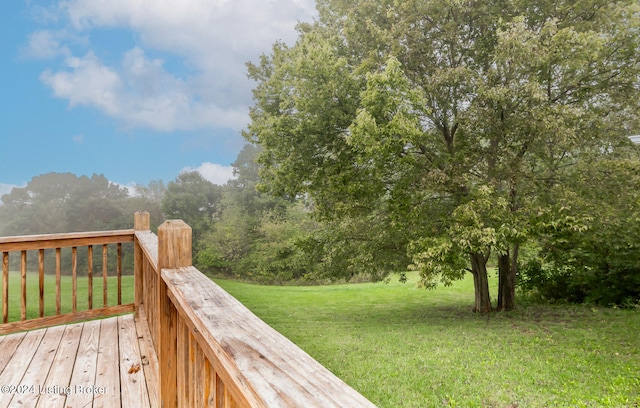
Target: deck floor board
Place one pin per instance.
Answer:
(38, 370)
(107, 372)
(18, 365)
(76, 365)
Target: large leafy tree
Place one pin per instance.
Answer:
(440, 122)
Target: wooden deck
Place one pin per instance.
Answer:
(100, 363)
(191, 343)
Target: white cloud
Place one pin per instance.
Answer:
(140, 93)
(213, 38)
(46, 44)
(215, 173)
(88, 83)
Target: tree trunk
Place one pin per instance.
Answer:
(507, 272)
(481, 283)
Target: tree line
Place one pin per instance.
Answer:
(437, 136)
(237, 231)
(585, 247)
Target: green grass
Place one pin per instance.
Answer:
(402, 346)
(33, 294)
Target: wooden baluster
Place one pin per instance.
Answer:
(74, 278)
(210, 386)
(41, 280)
(5, 287)
(221, 400)
(105, 300)
(23, 285)
(90, 275)
(119, 272)
(183, 377)
(58, 280)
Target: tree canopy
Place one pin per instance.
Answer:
(442, 129)
(64, 202)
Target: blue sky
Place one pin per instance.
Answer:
(137, 90)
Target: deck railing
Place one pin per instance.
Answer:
(211, 350)
(22, 245)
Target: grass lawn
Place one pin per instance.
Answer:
(402, 346)
(33, 293)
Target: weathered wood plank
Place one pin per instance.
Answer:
(150, 278)
(68, 318)
(253, 359)
(9, 346)
(34, 242)
(193, 397)
(38, 370)
(149, 359)
(19, 363)
(167, 326)
(148, 242)
(141, 224)
(183, 363)
(211, 385)
(141, 221)
(148, 302)
(200, 378)
(138, 276)
(174, 250)
(107, 373)
(222, 398)
(83, 376)
(59, 378)
(133, 386)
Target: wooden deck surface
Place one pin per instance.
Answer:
(100, 363)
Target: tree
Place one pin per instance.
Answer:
(97, 204)
(446, 119)
(64, 202)
(149, 198)
(256, 235)
(194, 200)
(591, 253)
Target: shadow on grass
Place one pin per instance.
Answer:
(395, 314)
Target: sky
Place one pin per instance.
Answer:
(137, 90)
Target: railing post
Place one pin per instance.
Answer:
(141, 222)
(174, 251)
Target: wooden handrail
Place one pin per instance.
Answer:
(77, 239)
(148, 242)
(213, 351)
